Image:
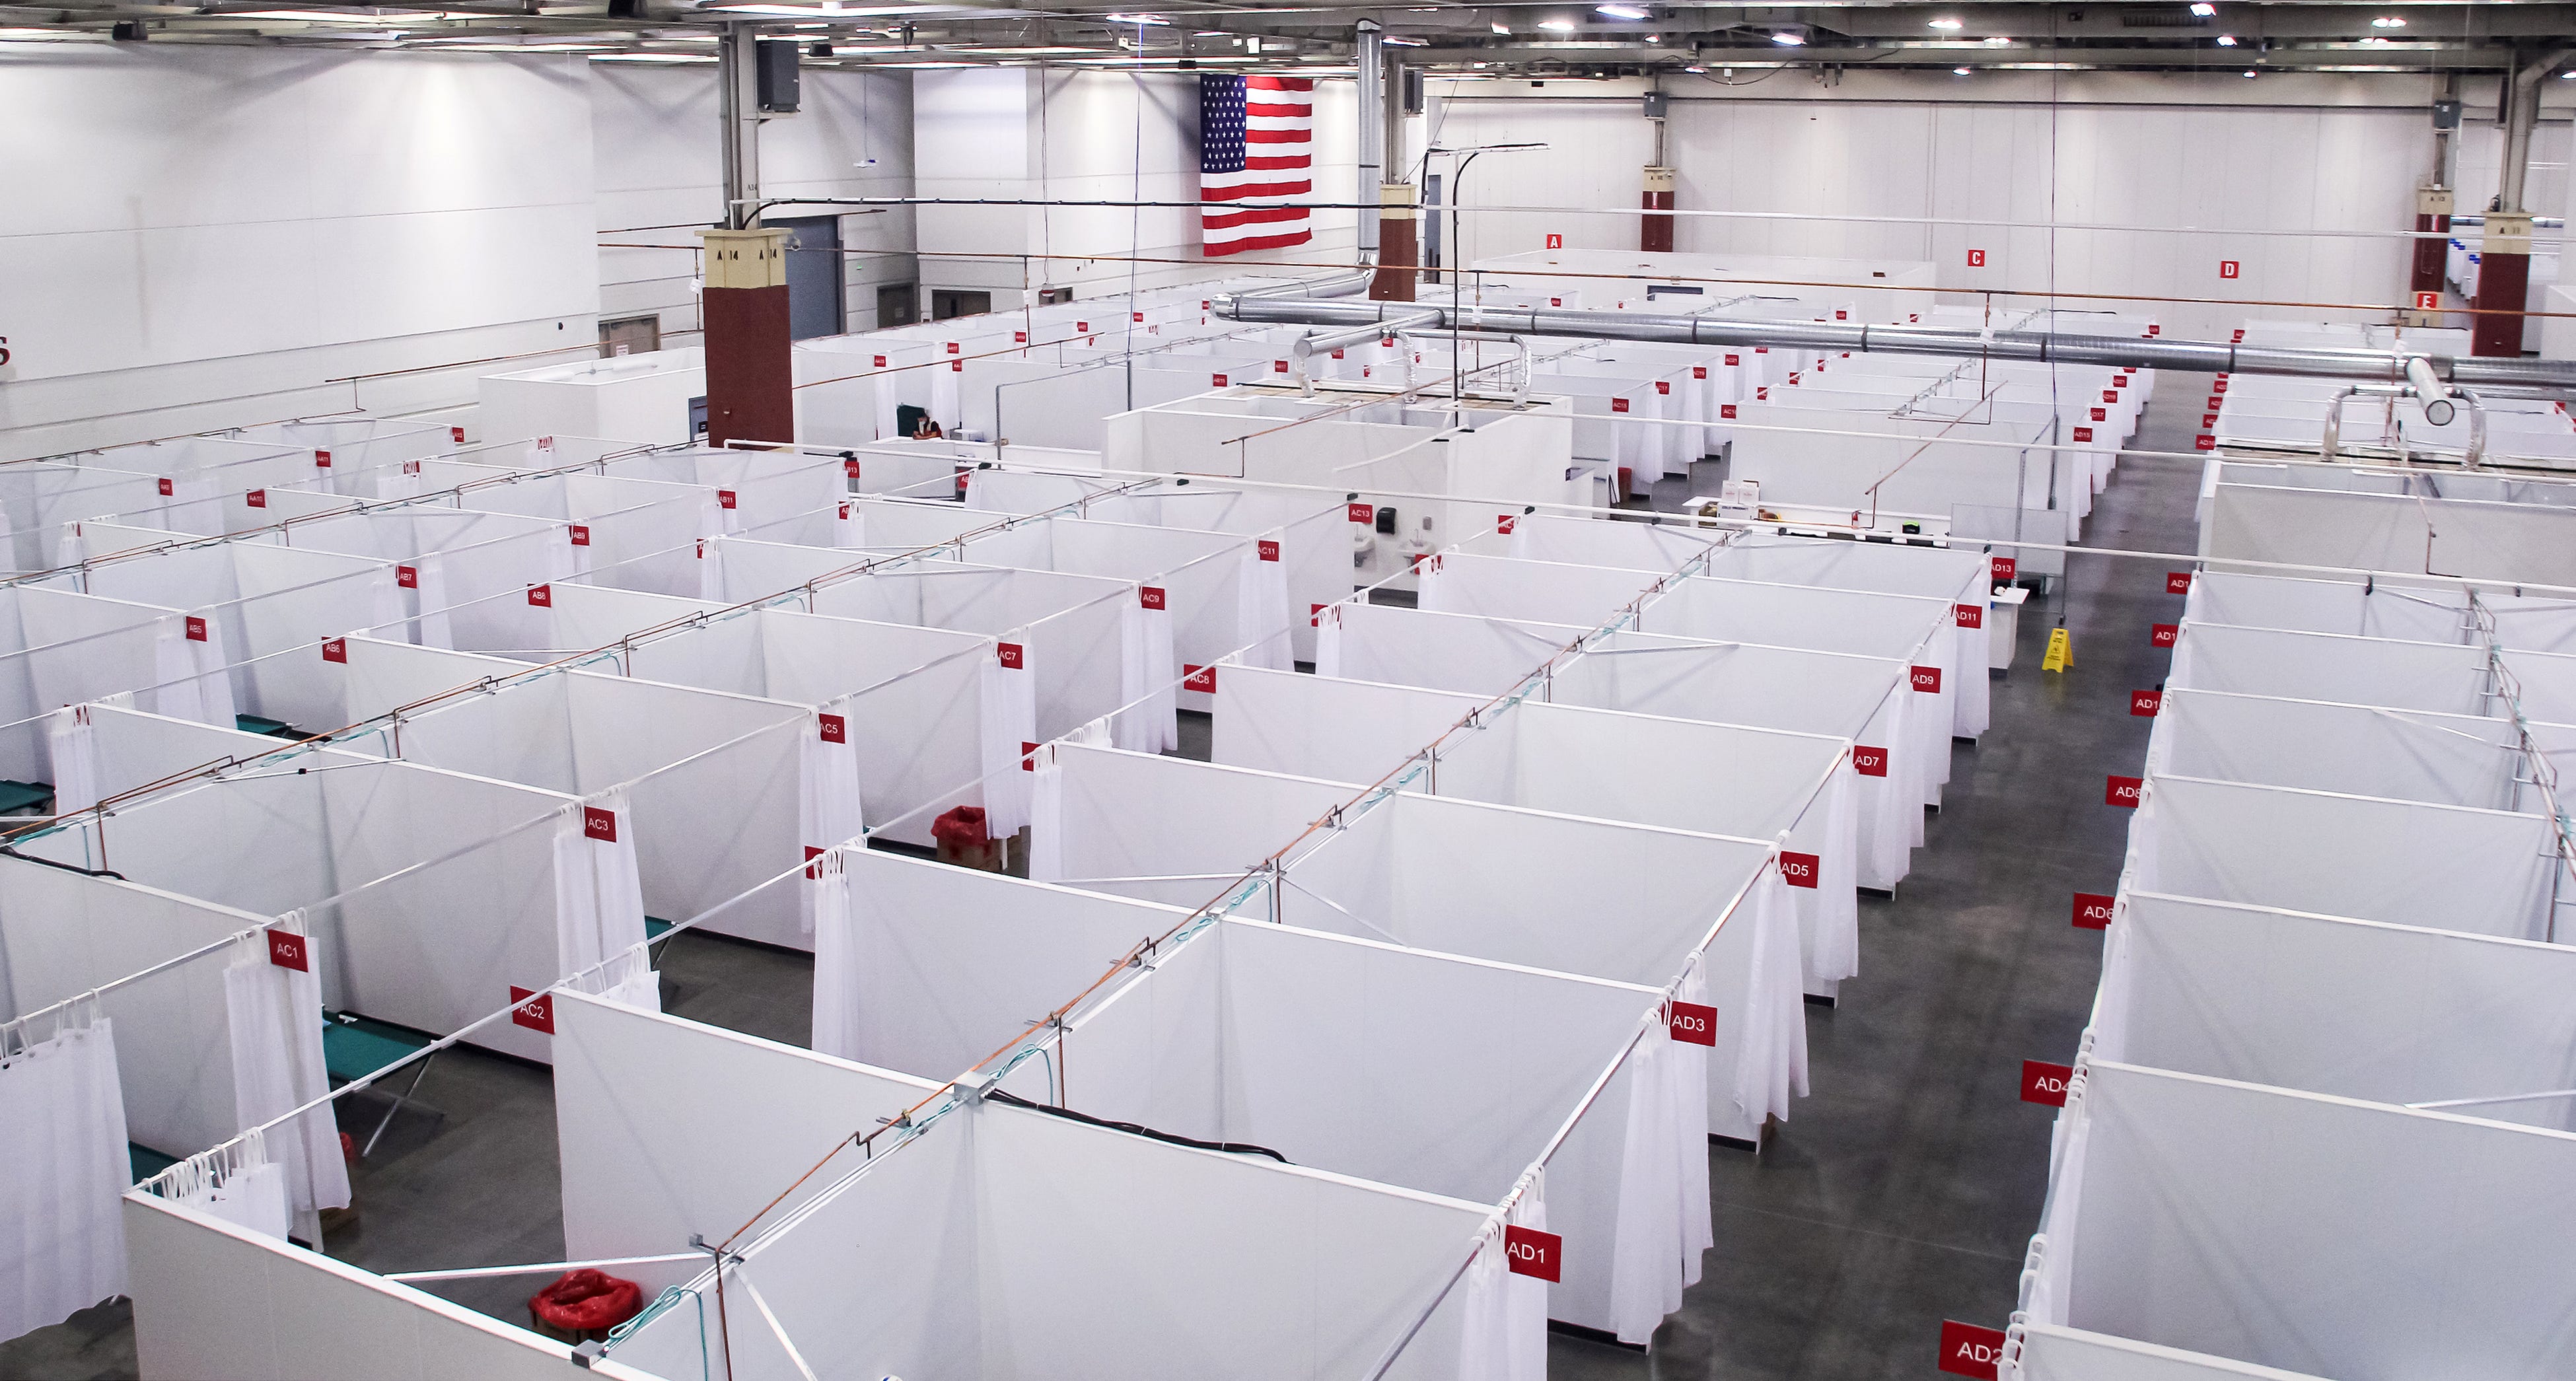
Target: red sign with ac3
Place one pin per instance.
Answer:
(1868, 761)
(599, 824)
(1540, 1255)
(1691, 1023)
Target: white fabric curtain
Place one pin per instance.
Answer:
(887, 402)
(710, 569)
(71, 549)
(1431, 586)
(62, 1141)
(1837, 930)
(943, 401)
(1645, 1268)
(1046, 819)
(1771, 1052)
(2045, 1290)
(599, 897)
(836, 957)
(1504, 1316)
(828, 813)
(631, 980)
(388, 613)
(1147, 672)
(275, 1017)
(75, 754)
(1328, 641)
(1009, 704)
(253, 1196)
(1687, 1070)
(979, 494)
(849, 525)
(431, 600)
(1262, 610)
(189, 672)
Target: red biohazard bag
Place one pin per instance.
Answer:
(586, 1302)
(960, 829)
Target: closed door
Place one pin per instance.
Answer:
(898, 304)
(948, 303)
(813, 276)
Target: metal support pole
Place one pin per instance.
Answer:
(738, 110)
(1368, 58)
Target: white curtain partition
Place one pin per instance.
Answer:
(599, 896)
(2412, 1015)
(2480, 871)
(888, 1277)
(1148, 677)
(1503, 1334)
(1504, 587)
(1454, 877)
(2319, 1235)
(2443, 678)
(1867, 700)
(1451, 652)
(1311, 1045)
(2423, 613)
(2052, 1353)
(274, 1012)
(1921, 633)
(62, 1135)
(2407, 755)
(2391, 532)
(1167, 829)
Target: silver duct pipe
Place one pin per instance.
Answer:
(2117, 352)
(2430, 392)
(1368, 54)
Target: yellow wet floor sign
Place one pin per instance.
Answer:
(2061, 651)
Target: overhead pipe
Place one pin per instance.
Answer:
(2037, 347)
(1368, 60)
(2331, 442)
(1304, 347)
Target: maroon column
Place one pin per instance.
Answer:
(1399, 244)
(1655, 233)
(2432, 255)
(751, 383)
(2504, 285)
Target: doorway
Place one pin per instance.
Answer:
(813, 276)
(956, 302)
(898, 304)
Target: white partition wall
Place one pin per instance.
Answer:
(1529, 591)
(2050, 1352)
(2364, 609)
(2444, 678)
(1325, 726)
(1452, 652)
(2362, 750)
(2391, 532)
(959, 1244)
(2320, 1235)
(2327, 1004)
(1163, 829)
(2481, 871)
(1865, 699)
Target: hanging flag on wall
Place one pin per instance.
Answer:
(1256, 144)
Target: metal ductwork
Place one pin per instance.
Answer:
(2117, 352)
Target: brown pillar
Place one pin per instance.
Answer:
(1656, 232)
(2432, 218)
(751, 384)
(1399, 243)
(2504, 283)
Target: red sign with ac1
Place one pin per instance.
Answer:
(1800, 869)
(1968, 1350)
(1691, 1023)
(2093, 911)
(1533, 1253)
(1868, 761)
(286, 950)
(2042, 1082)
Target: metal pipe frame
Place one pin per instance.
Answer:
(2035, 347)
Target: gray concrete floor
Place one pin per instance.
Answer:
(1902, 1193)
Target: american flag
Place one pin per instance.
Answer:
(1256, 144)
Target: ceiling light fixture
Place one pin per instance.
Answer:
(1621, 11)
(1140, 19)
(1998, 41)
(1959, 71)
(2389, 21)
(2227, 40)
(1562, 26)
(2249, 74)
(1948, 26)
(1787, 39)
(2204, 9)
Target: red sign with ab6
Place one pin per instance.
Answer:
(1691, 1023)
(1799, 869)
(1868, 761)
(1534, 1253)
